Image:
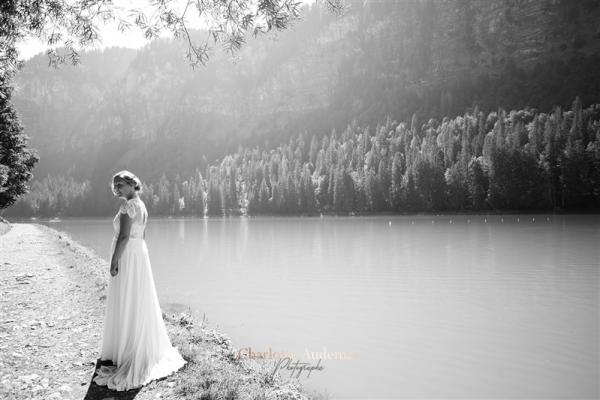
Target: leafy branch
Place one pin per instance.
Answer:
(68, 26)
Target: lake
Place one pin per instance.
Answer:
(411, 306)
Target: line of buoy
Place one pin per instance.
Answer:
(469, 220)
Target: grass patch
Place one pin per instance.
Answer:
(214, 372)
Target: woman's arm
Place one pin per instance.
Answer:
(122, 239)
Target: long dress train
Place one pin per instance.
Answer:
(135, 338)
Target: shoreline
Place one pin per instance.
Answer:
(590, 212)
(53, 303)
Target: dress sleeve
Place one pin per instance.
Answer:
(128, 208)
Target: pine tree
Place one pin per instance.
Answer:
(338, 189)
(314, 150)
(309, 193)
(214, 199)
(477, 182)
(175, 199)
(576, 131)
(263, 196)
(410, 197)
(232, 189)
(275, 200)
(384, 179)
(396, 183)
(16, 159)
(253, 205)
(292, 195)
(164, 195)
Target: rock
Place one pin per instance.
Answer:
(29, 377)
(37, 388)
(66, 388)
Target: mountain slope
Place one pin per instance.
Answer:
(149, 112)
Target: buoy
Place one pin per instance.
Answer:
(432, 222)
(412, 222)
(390, 223)
(518, 220)
(450, 221)
(485, 220)
(547, 218)
(501, 219)
(533, 219)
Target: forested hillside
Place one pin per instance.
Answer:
(521, 160)
(147, 111)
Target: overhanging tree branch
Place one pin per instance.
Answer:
(68, 26)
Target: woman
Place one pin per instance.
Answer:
(135, 338)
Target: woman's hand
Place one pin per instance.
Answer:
(114, 267)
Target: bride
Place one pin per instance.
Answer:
(135, 338)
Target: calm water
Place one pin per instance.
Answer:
(443, 306)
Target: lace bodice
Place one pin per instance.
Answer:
(136, 209)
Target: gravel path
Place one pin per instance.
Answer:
(52, 308)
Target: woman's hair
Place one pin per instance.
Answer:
(128, 177)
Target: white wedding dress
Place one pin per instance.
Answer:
(135, 338)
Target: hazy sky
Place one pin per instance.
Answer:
(110, 35)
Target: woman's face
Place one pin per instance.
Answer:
(122, 188)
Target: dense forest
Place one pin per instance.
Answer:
(517, 160)
(185, 132)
